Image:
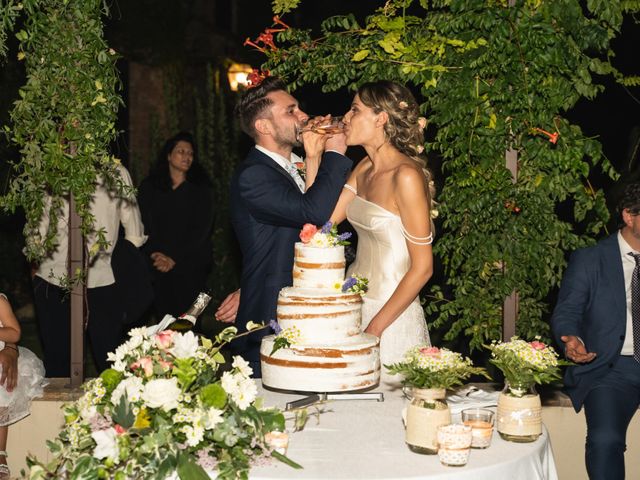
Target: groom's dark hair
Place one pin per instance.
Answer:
(630, 200)
(254, 102)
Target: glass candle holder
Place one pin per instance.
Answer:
(279, 441)
(454, 444)
(481, 422)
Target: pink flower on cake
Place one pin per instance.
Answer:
(307, 232)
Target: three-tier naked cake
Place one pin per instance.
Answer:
(328, 351)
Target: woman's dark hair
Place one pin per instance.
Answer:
(160, 173)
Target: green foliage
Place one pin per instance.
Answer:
(431, 367)
(493, 78)
(63, 120)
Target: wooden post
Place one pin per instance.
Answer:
(77, 310)
(510, 304)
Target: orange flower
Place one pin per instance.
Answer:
(307, 232)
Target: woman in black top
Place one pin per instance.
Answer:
(176, 202)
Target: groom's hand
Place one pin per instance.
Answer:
(228, 309)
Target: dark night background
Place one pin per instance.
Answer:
(192, 33)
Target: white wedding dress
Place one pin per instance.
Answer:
(383, 258)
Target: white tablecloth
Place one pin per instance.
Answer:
(364, 439)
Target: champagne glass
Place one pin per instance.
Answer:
(329, 126)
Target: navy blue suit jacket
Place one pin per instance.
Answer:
(268, 212)
(592, 305)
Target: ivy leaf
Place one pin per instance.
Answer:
(360, 55)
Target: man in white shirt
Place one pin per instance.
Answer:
(597, 319)
(270, 203)
(105, 325)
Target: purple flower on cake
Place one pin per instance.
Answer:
(325, 237)
(275, 326)
(355, 284)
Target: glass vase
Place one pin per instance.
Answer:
(519, 413)
(427, 411)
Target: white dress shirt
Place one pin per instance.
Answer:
(628, 265)
(108, 209)
(287, 164)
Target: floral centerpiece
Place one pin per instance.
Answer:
(526, 363)
(165, 408)
(433, 367)
(429, 371)
(324, 237)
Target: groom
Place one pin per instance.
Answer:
(270, 203)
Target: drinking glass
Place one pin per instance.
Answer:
(454, 444)
(329, 126)
(481, 422)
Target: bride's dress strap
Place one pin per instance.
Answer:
(428, 240)
(350, 188)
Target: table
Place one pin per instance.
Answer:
(364, 439)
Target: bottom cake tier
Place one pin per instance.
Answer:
(322, 368)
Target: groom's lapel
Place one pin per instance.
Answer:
(260, 157)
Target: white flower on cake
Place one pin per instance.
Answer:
(324, 237)
(106, 444)
(162, 393)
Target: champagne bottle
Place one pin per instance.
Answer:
(187, 320)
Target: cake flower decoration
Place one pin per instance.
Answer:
(324, 237)
(355, 284)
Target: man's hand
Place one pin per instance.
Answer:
(337, 143)
(162, 262)
(228, 309)
(9, 365)
(575, 350)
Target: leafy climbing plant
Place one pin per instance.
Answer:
(495, 76)
(64, 118)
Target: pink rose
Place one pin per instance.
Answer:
(166, 366)
(120, 430)
(146, 364)
(430, 351)
(164, 339)
(538, 345)
(307, 232)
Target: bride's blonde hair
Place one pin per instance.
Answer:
(405, 128)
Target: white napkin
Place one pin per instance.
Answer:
(164, 323)
(471, 397)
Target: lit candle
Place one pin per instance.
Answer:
(279, 441)
(481, 433)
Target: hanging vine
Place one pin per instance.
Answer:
(493, 77)
(64, 118)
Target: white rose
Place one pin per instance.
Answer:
(242, 365)
(185, 345)
(131, 386)
(106, 444)
(162, 393)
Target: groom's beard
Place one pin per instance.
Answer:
(287, 136)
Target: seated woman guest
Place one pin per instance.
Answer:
(388, 199)
(176, 202)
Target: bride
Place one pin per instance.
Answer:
(388, 200)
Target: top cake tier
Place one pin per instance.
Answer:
(318, 267)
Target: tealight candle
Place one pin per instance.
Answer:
(481, 422)
(279, 441)
(454, 443)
